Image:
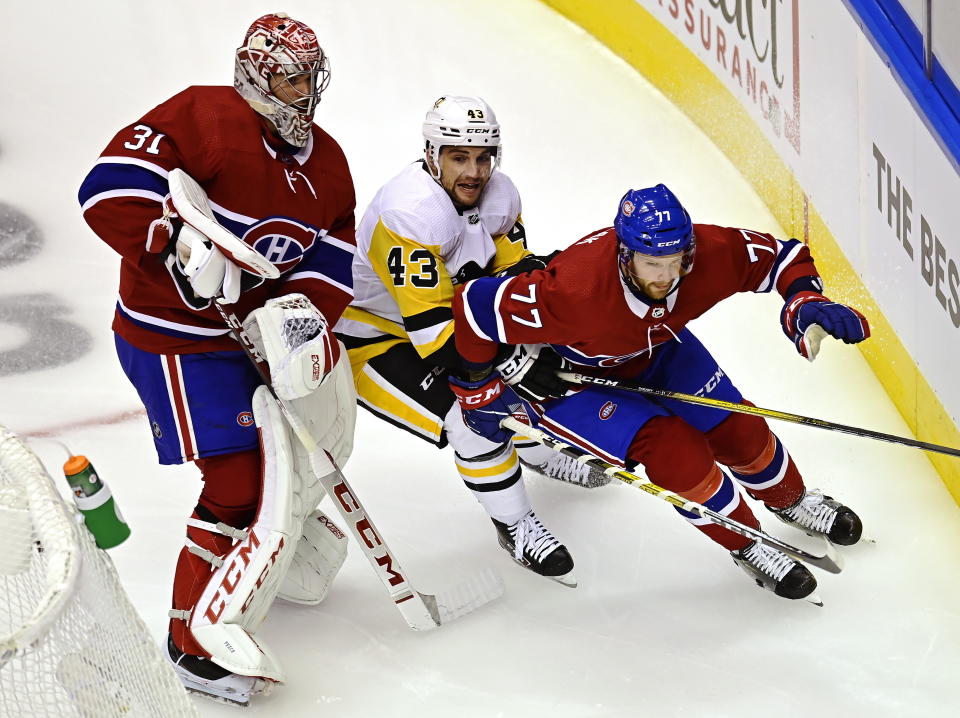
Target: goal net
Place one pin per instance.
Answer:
(71, 644)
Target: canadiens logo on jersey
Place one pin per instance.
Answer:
(282, 241)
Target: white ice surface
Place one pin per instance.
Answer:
(662, 623)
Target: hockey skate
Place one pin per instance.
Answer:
(204, 677)
(565, 468)
(817, 514)
(534, 547)
(777, 572)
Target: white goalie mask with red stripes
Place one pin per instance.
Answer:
(281, 71)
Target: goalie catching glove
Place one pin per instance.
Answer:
(297, 341)
(807, 308)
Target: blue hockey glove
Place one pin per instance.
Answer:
(484, 403)
(806, 308)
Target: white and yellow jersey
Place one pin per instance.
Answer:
(413, 246)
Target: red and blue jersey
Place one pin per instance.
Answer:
(581, 305)
(295, 209)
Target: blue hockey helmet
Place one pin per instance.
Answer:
(652, 221)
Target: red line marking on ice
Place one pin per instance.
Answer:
(59, 429)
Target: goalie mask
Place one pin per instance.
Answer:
(456, 120)
(281, 71)
(652, 222)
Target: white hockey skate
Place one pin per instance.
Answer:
(777, 572)
(565, 468)
(204, 677)
(534, 547)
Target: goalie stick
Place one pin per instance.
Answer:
(830, 561)
(756, 410)
(422, 611)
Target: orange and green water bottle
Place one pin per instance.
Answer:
(100, 511)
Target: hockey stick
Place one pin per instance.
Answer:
(830, 561)
(756, 410)
(422, 611)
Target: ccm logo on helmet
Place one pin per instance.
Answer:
(281, 241)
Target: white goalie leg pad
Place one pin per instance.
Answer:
(242, 588)
(330, 413)
(320, 553)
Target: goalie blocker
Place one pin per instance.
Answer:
(289, 549)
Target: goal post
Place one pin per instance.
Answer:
(71, 643)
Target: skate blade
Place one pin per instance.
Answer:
(815, 599)
(232, 689)
(226, 697)
(567, 579)
(864, 538)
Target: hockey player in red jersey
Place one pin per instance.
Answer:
(615, 304)
(278, 187)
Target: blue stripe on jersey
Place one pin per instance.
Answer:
(238, 228)
(159, 329)
(108, 176)
(330, 260)
(480, 296)
(720, 499)
(786, 247)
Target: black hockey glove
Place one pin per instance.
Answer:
(531, 370)
(528, 264)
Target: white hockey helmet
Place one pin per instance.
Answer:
(276, 45)
(465, 121)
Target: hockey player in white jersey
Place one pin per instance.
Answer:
(442, 221)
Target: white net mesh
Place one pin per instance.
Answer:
(301, 321)
(71, 644)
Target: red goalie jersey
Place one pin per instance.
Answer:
(295, 209)
(581, 305)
